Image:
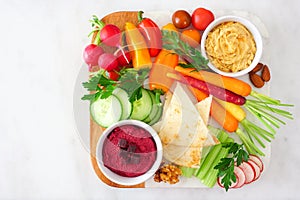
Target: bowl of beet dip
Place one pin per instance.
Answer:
(129, 152)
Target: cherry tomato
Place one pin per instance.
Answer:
(113, 75)
(108, 62)
(191, 36)
(181, 19)
(91, 54)
(201, 18)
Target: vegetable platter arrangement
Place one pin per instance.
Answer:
(189, 83)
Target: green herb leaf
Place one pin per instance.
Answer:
(236, 154)
(172, 41)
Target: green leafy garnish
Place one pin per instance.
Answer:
(131, 80)
(102, 86)
(172, 41)
(236, 154)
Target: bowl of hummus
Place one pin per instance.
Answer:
(233, 46)
(129, 152)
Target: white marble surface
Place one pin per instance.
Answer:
(41, 155)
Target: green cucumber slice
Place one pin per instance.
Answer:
(107, 111)
(155, 108)
(124, 100)
(141, 108)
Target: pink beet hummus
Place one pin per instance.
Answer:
(129, 151)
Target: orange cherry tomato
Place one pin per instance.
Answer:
(191, 36)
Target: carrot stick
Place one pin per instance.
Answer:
(223, 117)
(235, 85)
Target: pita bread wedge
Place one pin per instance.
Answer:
(203, 108)
(183, 156)
(182, 125)
(183, 132)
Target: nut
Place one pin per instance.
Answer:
(256, 80)
(265, 74)
(168, 174)
(257, 68)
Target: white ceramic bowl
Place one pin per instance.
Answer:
(129, 180)
(254, 31)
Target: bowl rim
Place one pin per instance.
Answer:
(253, 30)
(122, 180)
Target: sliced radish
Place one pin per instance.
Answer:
(240, 177)
(233, 185)
(248, 170)
(256, 168)
(258, 161)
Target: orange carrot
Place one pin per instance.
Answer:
(223, 117)
(234, 85)
(198, 94)
(218, 112)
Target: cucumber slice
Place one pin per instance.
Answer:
(107, 111)
(154, 110)
(141, 108)
(157, 116)
(124, 100)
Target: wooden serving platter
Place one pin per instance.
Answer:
(119, 19)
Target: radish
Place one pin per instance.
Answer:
(249, 172)
(108, 62)
(257, 161)
(111, 35)
(256, 168)
(240, 177)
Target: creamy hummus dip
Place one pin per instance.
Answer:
(230, 47)
(129, 151)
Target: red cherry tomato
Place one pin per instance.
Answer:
(201, 18)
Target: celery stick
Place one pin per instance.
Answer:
(211, 177)
(187, 171)
(208, 160)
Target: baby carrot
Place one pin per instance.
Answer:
(235, 85)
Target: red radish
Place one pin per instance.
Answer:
(248, 171)
(91, 54)
(108, 62)
(110, 35)
(240, 176)
(256, 168)
(257, 161)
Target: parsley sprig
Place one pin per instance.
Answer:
(236, 155)
(172, 41)
(100, 86)
(131, 80)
